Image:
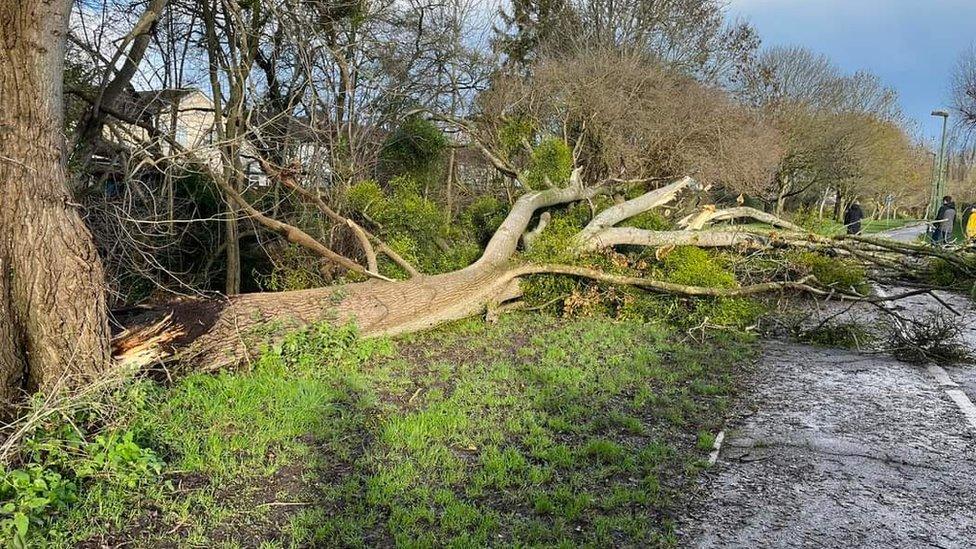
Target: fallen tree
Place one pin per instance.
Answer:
(213, 334)
(216, 334)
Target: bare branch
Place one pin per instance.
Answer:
(670, 287)
(710, 215)
(620, 212)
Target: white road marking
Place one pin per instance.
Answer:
(941, 376)
(964, 404)
(717, 447)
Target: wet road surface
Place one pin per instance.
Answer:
(844, 449)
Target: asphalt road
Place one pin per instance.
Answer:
(906, 234)
(845, 449)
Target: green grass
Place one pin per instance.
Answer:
(530, 432)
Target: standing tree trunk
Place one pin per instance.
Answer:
(839, 205)
(53, 320)
(785, 186)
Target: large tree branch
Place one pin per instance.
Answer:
(366, 238)
(504, 242)
(710, 215)
(670, 287)
(629, 236)
(625, 210)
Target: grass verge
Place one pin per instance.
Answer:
(532, 431)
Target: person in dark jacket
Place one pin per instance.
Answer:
(852, 217)
(944, 221)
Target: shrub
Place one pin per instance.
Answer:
(551, 165)
(831, 271)
(366, 196)
(511, 136)
(410, 224)
(483, 217)
(693, 266)
(413, 148)
(555, 243)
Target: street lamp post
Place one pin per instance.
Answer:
(938, 180)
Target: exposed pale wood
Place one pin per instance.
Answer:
(625, 210)
(710, 215)
(670, 287)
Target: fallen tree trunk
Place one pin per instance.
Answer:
(212, 334)
(217, 334)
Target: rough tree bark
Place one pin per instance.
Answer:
(53, 319)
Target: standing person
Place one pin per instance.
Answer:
(944, 221)
(852, 217)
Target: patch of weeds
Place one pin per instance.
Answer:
(706, 441)
(59, 460)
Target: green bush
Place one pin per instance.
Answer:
(366, 196)
(550, 166)
(693, 266)
(555, 244)
(511, 136)
(483, 217)
(413, 148)
(834, 272)
(412, 225)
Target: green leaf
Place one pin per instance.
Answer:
(38, 503)
(21, 522)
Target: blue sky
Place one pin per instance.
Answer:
(911, 44)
